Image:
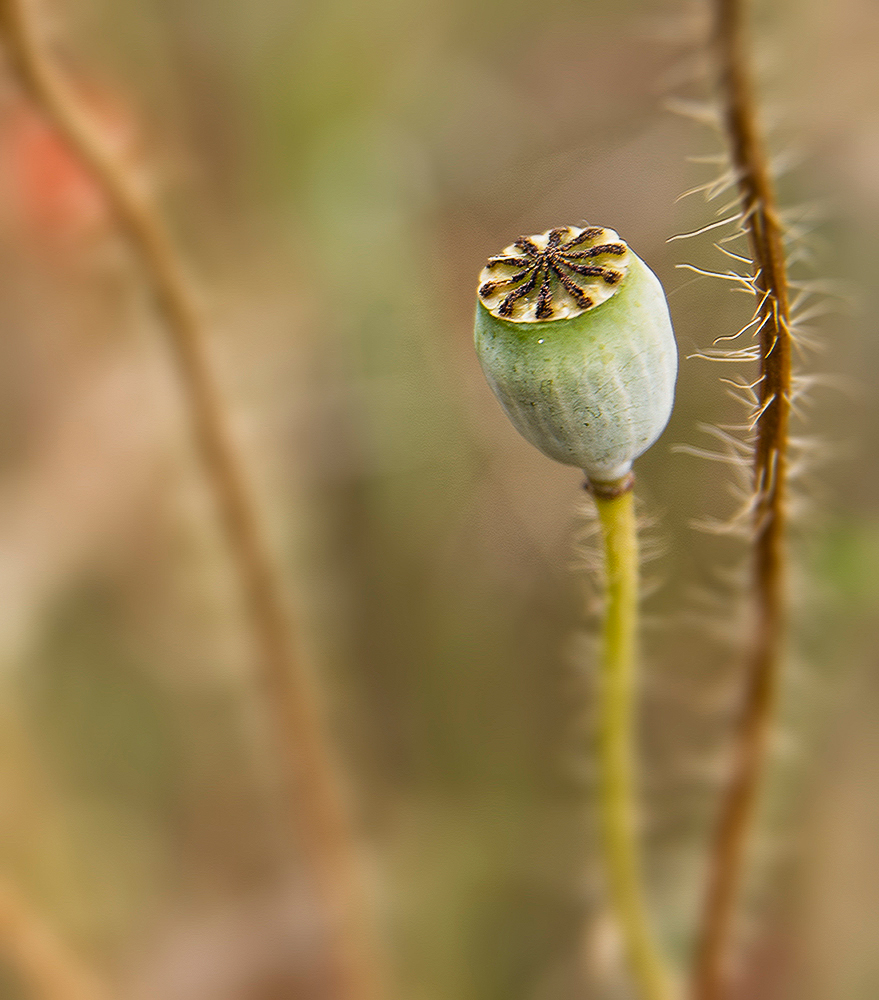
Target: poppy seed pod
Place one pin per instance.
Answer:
(574, 336)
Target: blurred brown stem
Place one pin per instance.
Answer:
(43, 962)
(760, 218)
(316, 805)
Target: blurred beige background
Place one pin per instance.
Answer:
(336, 174)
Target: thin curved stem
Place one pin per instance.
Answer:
(316, 809)
(49, 969)
(616, 745)
(760, 218)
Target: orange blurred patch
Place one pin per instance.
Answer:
(55, 193)
(48, 194)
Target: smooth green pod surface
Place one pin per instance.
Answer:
(574, 336)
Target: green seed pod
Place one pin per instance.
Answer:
(574, 336)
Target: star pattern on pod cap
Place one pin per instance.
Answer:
(558, 274)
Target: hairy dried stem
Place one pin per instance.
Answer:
(315, 803)
(760, 219)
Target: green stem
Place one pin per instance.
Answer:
(616, 740)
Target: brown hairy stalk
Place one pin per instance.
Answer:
(39, 957)
(315, 803)
(760, 219)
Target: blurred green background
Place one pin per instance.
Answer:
(336, 174)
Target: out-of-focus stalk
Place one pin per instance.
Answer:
(317, 813)
(44, 963)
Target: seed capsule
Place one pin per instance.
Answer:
(574, 336)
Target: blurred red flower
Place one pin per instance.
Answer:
(47, 191)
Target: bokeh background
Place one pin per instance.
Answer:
(336, 174)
